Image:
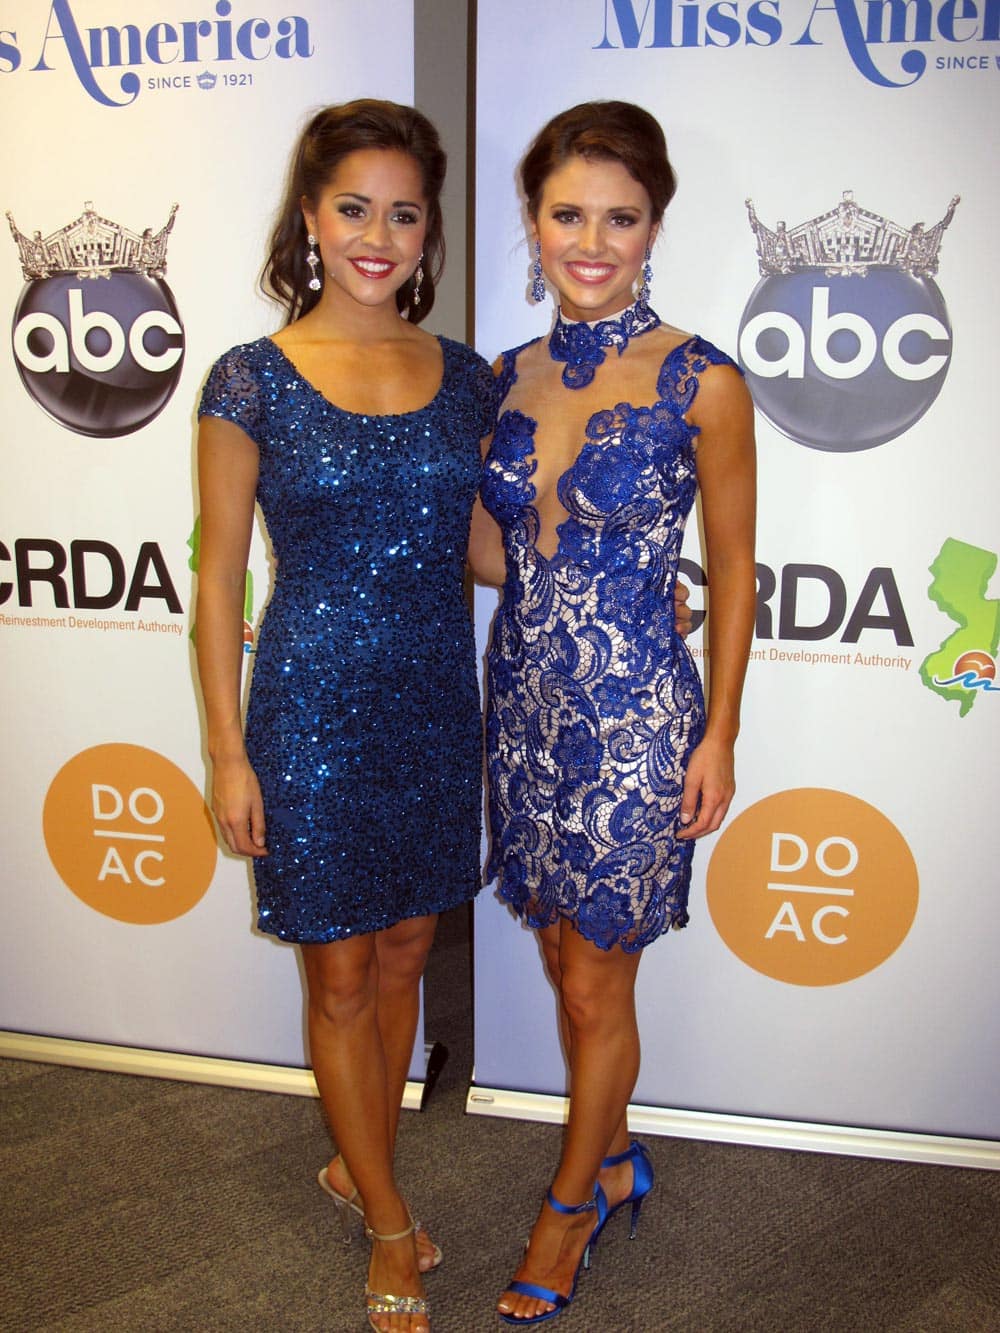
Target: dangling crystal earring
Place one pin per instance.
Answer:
(537, 281)
(312, 259)
(642, 295)
(418, 278)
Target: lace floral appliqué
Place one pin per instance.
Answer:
(594, 701)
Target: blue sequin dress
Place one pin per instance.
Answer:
(594, 701)
(363, 724)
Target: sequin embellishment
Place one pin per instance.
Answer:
(363, 725)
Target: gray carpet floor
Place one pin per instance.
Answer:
(135, 1204)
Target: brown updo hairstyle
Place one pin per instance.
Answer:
(602, 132)
(329, 137)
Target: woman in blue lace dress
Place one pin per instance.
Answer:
(603, 765)
(358, 434)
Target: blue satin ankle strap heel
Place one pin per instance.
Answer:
(556, 1298)
(642, 1183)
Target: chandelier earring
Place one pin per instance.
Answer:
(645, 282)
(537, 281)
(418, 278)
(312, 259)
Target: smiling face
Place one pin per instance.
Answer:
(369, 221)
(595, 225)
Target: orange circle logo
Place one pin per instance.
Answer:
(129, 834)
(812, 887)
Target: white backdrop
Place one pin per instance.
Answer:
(164, 109)
(881, 1012)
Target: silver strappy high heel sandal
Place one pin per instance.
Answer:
(348, 1205)
(382, 1303)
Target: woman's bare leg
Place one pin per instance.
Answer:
(616, 1181)
(597, 994)
(402, 956)
(401, 953)
(351, 1069)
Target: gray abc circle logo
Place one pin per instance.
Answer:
(845, 363)
(102, 356)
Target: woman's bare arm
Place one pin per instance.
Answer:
(726, 477)
(227, 480)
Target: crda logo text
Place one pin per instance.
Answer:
(129, 834)
(85, 575)
(97, 338)
(846, 340)
(886, 40)
(97, 55)
(811, 602)
(812, 887)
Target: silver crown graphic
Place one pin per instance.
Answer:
(849, 240)
(93, 247)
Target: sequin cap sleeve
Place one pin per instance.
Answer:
(486, 396)
(478, 377)
(233, 393)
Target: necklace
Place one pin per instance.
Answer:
(582, 345)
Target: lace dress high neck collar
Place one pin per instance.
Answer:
(582, 345)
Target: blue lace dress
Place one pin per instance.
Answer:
(363, 724)
(594, 701)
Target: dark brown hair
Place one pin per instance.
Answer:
(602, 131)
(329, 137)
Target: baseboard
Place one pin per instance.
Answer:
(891, 1145)
(183, 1068)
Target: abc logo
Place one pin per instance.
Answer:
(845, 363)
(101, 355)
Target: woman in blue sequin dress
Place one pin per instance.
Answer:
(603, 765)
(358, 789)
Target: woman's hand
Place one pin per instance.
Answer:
(683, 615)
(708, 788)
(238, 806)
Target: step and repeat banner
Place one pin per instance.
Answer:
(142, 164)
(834, 229)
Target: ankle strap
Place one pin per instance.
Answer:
(635, 1149)
(587, 1206)
(395, 1235)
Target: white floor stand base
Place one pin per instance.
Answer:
(184, 1068)
(892, 1145)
